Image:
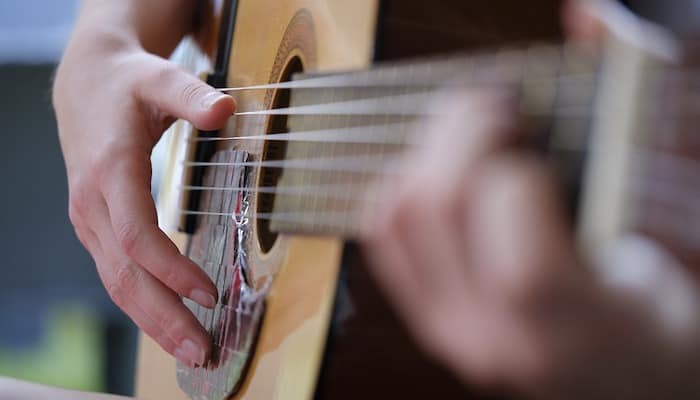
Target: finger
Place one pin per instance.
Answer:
(180, 94)
(522, 242)
(134, 222)
(389, 264)
(142, 320)
(88, 239)
(523, 260)
(154, 307)
(581, 25)
(426, 222)
(589, 22)
(432, 204)
(157, 311)
(468, 127)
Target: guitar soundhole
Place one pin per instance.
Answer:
(274, 150)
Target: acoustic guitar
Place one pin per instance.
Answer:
(326, 104)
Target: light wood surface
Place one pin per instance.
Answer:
(290, 347)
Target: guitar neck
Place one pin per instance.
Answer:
(344, 135)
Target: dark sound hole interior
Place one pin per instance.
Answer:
(274, 150)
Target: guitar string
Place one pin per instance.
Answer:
(479, 80)
(414, 107)
(670, 197)
(329, 219)
(349, 81)
(335, 164)
(392, 133)
(337, 191)
(396, 104)
(668, 176)
(389, 164)
(358, 134)
(370, 106)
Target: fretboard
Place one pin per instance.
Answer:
(347, 134)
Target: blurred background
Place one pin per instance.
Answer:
(57, 325)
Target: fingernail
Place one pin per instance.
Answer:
(203, 298)
(189, 353)
(211, 98)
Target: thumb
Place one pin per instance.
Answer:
(179, 94)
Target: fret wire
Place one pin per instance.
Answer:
(327, 148)
(347, 201)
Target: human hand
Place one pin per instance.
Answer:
(472, 246)
(113, 101)
(473, 250)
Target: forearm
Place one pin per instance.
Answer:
(155, 25)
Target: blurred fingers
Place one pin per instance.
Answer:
(582, 25)
(589, 22)
(468, 126)
(428, 210)
(521, 240)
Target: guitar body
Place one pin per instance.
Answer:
(272, 40)
(324, 35)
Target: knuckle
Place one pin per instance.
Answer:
(128, 235)
(171, 323)
(164, 341)
(191, 91)
(172, 278)
(391, 221)
(168, 74)
(187, 90)
(405, 213)
(82, 237)
(78, 204)
(76, 212)
(446, 203)
(104, 164)
(127, 280)
(115, 293)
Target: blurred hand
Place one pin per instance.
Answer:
(113, 101)
(471, 246)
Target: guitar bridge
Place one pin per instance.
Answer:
(220, 247)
